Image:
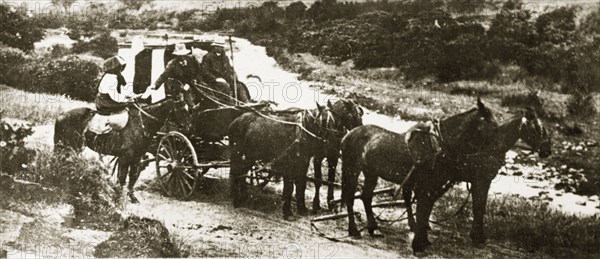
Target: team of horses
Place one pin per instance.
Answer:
(425, 161)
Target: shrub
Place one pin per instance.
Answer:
(591, 23)
(84, 181)
(511, 32)
(557, 26)
(14, 156)
(581, 106)
(464, 59)
(59, 50)
(10, 58)
(139, 237)
(102, 45)
(72, 76)
(17, 29)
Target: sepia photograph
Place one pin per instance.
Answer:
(299, 129)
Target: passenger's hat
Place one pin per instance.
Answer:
(181, 50)
(218, 43)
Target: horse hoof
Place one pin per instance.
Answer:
(316, 208)
(133, 199)
(376, 233)
(290, 217)
(419, 246)
(478, 239)
(332, 207)
(354, 233)
(303, 211)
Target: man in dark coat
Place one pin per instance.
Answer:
(182, 69)
(216, 69)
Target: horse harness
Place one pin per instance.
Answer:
(141, 112)
(301, 133)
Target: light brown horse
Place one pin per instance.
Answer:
(479, 169)
(377, 152)
(128, 144)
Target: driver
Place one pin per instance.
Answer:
(174, 69)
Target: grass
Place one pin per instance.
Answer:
(38, 108)
(531, 226)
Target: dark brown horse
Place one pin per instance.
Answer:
(128, 144)
(286, 149)
(377, 152)
(479, 169)
(344, 114)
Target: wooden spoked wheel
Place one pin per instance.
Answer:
(259, 178)
(176, 166)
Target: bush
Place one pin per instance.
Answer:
(70, 76)
(464, 60)
(140, 237)
(10, 58)
(512, 31)
(17, 29)
(102, 45)
(581, 106)
(14, 156)
(73, 77)
(59, 50)
(591, 24)
(84, 181)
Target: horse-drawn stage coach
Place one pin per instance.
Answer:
(199, 126)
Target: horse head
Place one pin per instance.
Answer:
(329, 125)
(534, 134)
(348, 111)
(470, 131)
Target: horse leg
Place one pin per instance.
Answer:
(480, 193)
(349, 183)
(134, 174)
(237, 175)
(317, 160)
(367, 198)
(332, 162)
(300, 192)
(122, 171)
(288, 189)
(424, 206)
(407, 190)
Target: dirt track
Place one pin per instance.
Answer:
(211, 227)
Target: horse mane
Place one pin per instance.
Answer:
(453, 119)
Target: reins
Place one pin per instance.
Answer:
(254, 111)
(154, 118)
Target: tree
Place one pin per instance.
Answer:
(65, 4)
(135, 4)
(17, 29)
